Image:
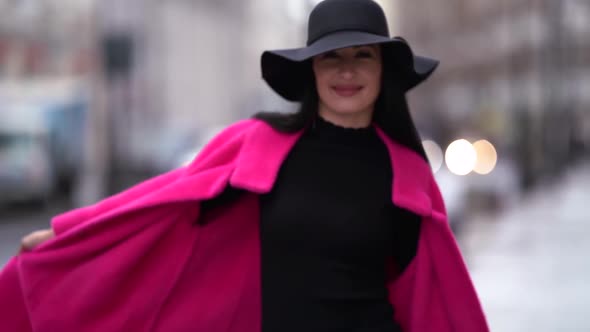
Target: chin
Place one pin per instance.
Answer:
(349, 108)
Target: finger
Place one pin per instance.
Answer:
(27, 242)
(32, 240)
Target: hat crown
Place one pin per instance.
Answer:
(331, 16)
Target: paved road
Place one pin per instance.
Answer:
(530, 264)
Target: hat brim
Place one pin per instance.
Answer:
(285, 71)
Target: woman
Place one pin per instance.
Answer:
(327, 219)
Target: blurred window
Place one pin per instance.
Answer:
(118, 54)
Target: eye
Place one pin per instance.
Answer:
(330, 55)
(364, 54)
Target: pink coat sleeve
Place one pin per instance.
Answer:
(12, 301)
(435, 292)
(464, 310)
(129, 237)
(63, 222)
(83, 279)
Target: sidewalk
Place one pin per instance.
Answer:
(531, 264)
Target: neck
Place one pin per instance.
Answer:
(360, 119)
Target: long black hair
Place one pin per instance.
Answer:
(391, 112)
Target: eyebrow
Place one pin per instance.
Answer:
(370, 45)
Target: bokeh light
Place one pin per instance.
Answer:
(486, 157)
(460, 157)
(434, 154)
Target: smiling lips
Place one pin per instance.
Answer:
(347, 90)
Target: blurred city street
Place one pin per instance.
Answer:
(530, 264)
(98, 95)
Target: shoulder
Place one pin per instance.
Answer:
(239, 128)
(226, 144)
(235, 129)
(237, 132)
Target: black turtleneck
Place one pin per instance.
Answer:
(328, 228)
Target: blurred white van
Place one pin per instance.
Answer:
(25, 160)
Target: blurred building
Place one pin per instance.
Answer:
(155, 78)
(46, 55)
(176, 70)
(513, 71)
(158, 76)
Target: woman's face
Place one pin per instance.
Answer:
(348, 80)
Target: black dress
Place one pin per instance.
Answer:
(327, 229)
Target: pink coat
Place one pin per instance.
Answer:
(137, 261)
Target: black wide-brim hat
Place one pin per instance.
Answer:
(335, 24)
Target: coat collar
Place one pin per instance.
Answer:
(264, 150)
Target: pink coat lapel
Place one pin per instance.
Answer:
(260, 158)
(265, 149)
(248, 155)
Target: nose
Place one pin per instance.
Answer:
(347, 69)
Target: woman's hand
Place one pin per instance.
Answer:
(32, 240)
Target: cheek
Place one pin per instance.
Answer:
(374, 80)
(322, 82)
